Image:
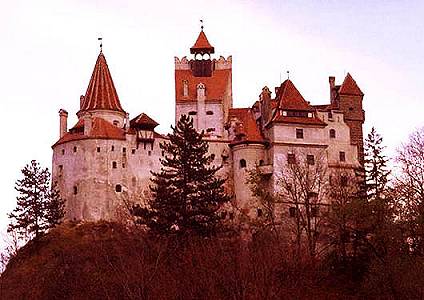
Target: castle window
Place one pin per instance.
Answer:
(315, 211)
(210, 129)
(133, 151)
(310, 159)
(60, 170)
(259, 212)
(192, 113)
(149, 153)
(123, 165)
(124, 150)
(330, 115)
(350, 108)
(242, 163)
(163, 153)
(342, 156)
(332, 133)
(63, 151)
(261, 162)
(75, 190)
(113, 148)
(209, 113)
(291, 158)
(343, 180)
(75, 148)
(118, 188)
(292, 212)
(212, 156)
(98, 149)
(114, 165)
(299, 133)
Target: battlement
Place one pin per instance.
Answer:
(221, 63)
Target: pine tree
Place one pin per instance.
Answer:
(187, 195)
(38, 206)
(375, 166)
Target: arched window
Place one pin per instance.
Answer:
(118, 188)
(332, 133)
(242, 163)
(114, 164)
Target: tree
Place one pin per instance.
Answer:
(376, 172)
(409, 189)
(39, 207)
(186, 195)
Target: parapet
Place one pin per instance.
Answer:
(221, 63)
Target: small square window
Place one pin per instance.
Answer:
(299, 133)
(98, 149)
(242, 163)
(118, 188)
(310, 159)
(149, 153)
(114, 164)
(291, 158)
(292, 212)
(124, 150)
(342, 156)
(133, 151)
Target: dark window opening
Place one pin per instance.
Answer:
(343, 180)
(314, 211)
(163, 153)
(123, 165)
(299, 133)
(63, 151)
(259, 212)
(342, 156)
(113, 148)
(330, 115)
(98, 149)
(332, 133)
(292, 212)
(60, 168)
(75, 190)
(209, 112)
(149, 153)
(114, 165)
(192, 113)
(210, 129)
(242, 163)
(124, 150)
(291, 158)
(261, 162)
(75, 149)
(118, 188)
(133, 151)
(310, 159)
(212, 156)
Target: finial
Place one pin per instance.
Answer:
(101, 44)
(201, 24)
(288, 74)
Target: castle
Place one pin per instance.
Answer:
(106, 158)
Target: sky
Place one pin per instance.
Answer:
(48, 49)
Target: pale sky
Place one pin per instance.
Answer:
(48, 50)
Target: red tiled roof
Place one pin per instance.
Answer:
(202, 45)
(279, 118)
(143, 120)
(101, 129)
(216, 85)
(349, 87)
(247, 130)
(290, 98)
(101, 92)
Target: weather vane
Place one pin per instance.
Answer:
(201, 24)
(288, 74)
(101, 44)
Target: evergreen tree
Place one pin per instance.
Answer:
(186, 193)
(39, 207)
(375, 166)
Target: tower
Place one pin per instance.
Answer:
(203, 88)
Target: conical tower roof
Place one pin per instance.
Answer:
(289, 97)
(202, 45)
(349, 86)
(101, 93)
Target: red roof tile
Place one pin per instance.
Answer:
(290, 98)
(202, 45)
(101, 92)
(349, 87)
(143, 120)
(101, 129)
(216, 85)
(247, 130)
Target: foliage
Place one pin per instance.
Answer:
(39, 207)
(187, 194)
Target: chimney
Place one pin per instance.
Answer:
(332, 81)
(81, 101)
(63, 128)
(88, 124)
